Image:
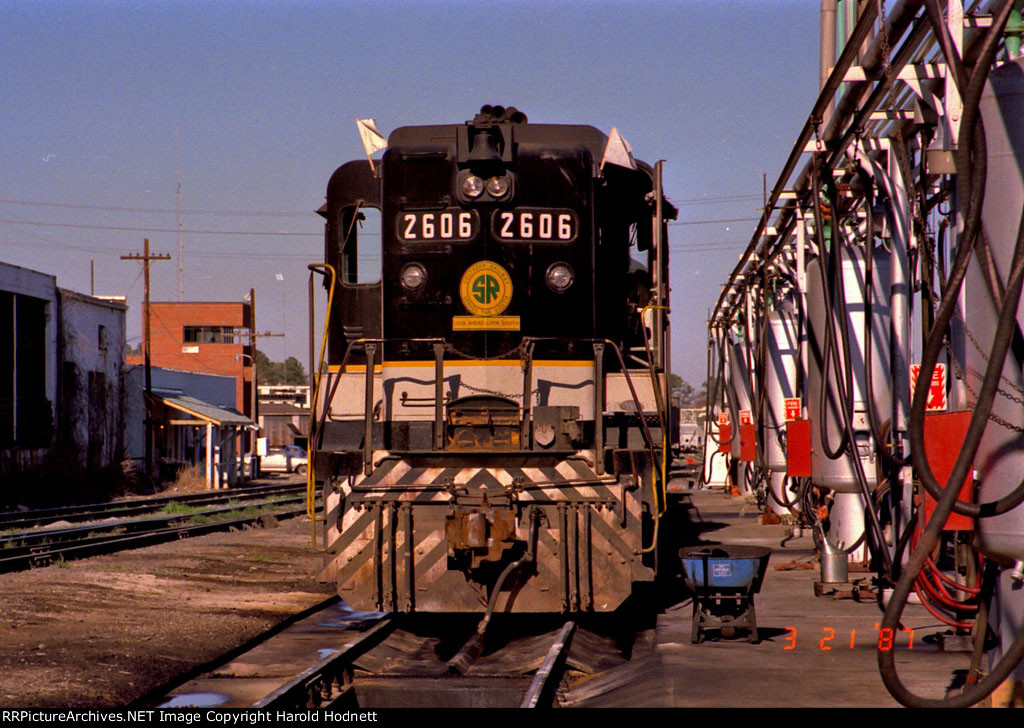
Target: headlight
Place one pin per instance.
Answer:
(472, 186)
(559, 277)
(413, 276)
(497, 187)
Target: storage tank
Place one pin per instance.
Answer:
(1000, 458)
(738, 385)
(781, 366)
(839, 474)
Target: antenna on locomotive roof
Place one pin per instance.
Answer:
(373, 140)
(617, 151)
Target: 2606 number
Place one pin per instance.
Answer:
(453, 224)
(535, 225)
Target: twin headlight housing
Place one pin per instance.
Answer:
(473, 187)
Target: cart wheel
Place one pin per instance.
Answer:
(695, 633)
(753, 636)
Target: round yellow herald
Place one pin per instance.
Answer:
(486, 289)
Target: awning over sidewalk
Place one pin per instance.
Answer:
(204, 412)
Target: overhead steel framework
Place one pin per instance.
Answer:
(895, 234)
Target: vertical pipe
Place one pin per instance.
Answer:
(586, 580)
(574, 559)
(563, 555)
(410, 557)
(312, 361)
(827, 55)
(371, 350)
(662, 329)
(524, 426)
(599, 408)
(378, 547)
(391, 555)
(439, 396)
(659, 259)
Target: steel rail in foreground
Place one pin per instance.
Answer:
(127, 508)
(550, 672)
(44, 554)
(326, 681)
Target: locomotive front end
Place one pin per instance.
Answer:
(483, 439)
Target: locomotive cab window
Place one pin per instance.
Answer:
(362, 247)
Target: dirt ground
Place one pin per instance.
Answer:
(104, 631)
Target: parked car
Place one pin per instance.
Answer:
(287, 459)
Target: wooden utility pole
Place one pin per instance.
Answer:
(146, 258)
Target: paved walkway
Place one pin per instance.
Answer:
(813, 651)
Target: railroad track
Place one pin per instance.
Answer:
(338, 659)
(22, 520)
(28, 549)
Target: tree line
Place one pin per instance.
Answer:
(290, 371)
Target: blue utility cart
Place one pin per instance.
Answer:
(724, 579)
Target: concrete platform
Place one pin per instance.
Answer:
(814, 651)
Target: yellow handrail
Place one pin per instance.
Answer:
(310, 461)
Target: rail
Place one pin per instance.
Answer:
(327, 680)
(549, 674)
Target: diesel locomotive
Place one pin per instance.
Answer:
(491, 429)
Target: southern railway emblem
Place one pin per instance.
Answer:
(486, 289)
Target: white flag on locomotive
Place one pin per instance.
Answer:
(617, 151)
(373, 140)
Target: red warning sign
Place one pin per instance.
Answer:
(723, 418)
(792, 408)
(937, 388)
(745, 417)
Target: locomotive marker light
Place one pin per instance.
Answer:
(413, 276)
(559, 277)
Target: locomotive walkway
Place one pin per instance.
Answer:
(805, 657)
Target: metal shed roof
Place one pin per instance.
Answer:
(205, 411)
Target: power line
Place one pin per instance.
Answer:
(711, 222)
(113, 208)
(155, 230)
(719, 200)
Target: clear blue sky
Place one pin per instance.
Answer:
(263, 96)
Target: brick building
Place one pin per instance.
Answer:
(211, 338)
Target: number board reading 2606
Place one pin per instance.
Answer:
(522, 225)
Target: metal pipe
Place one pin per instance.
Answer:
(599, 408)
(371, 350)
(410, 558)
(524, 425)
(901, 17)
(439, 396)
(827, 45)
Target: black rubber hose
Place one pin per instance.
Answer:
(974, 185)
(930, 536)
(869, 284)
(829, 354)
(948, 497)
(845, 393)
